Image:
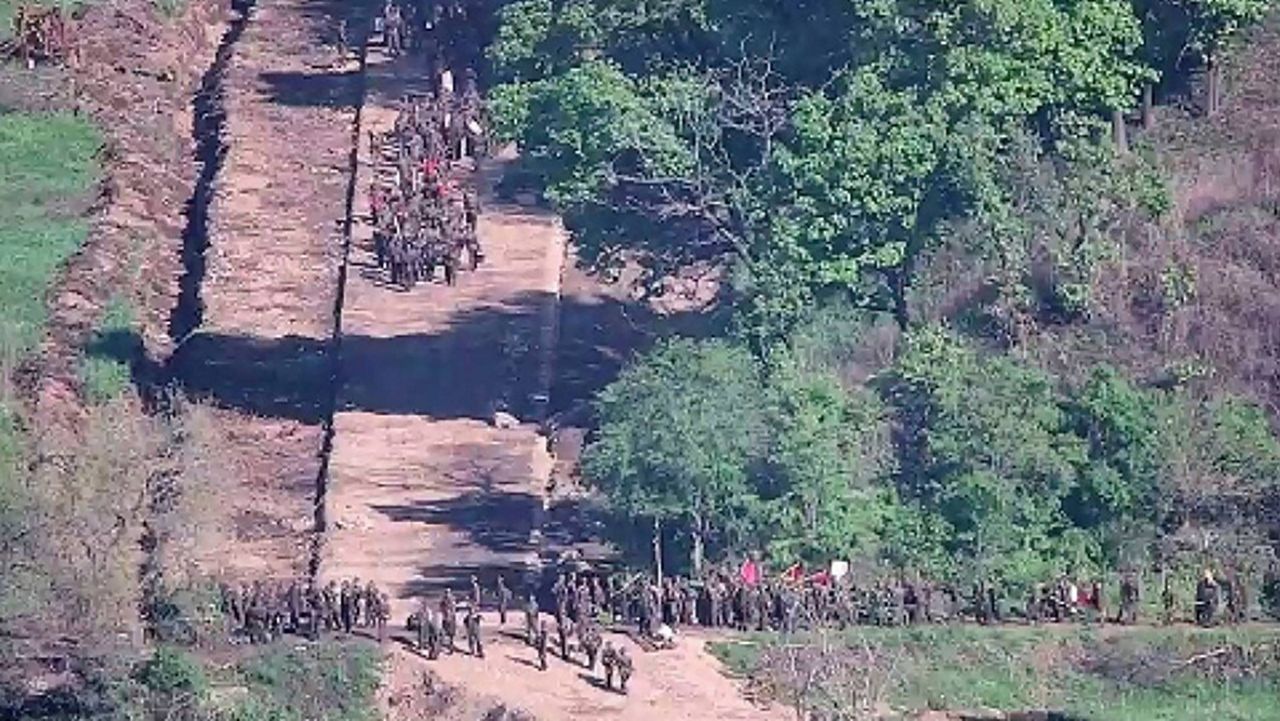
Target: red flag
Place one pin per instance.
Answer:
(822, 578)
(749, 572)
(795, 573)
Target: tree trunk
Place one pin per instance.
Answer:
(1119, 133)
(657, 548)
(1148, 106)
(696, 553)
(1213, 101)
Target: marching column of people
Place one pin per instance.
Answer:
(423, 207)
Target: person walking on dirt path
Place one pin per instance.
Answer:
(591, 640)
(540, 643)
(472, 623)
(609, 660)
(475, 593)
(624, 668)
(504, 600)
(384, 615)
(530, 619)
(449, 620)
(564, 629)
(346, 607)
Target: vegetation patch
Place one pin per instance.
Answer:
(105, 370)
(47, 167)
(328, 681)
(1136, 674)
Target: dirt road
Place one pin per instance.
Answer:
(682, 684)
(422, 490)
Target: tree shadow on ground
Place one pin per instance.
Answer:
(460, 372)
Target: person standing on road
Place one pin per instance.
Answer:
(504, 600)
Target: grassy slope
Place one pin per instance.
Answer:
(1109, 675)
(47, 166)
(327, 681)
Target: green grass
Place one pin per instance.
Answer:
(105, 370)
(47, 165)
(1132, 675)
(9, 7)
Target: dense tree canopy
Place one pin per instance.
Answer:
(941, 175)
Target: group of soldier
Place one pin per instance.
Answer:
(263, 611)
(578, 629)
(724, 599)
(424, 209)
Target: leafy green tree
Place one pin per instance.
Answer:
(829, 457)
(680, 431)
(988, 449)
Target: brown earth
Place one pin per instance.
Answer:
(256, 318)
(423, 490)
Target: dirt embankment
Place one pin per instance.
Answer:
(134, 75)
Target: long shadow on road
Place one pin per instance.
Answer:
(481, 356)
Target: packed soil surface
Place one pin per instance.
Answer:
(681, 684)
(423, 489)
(256, 316)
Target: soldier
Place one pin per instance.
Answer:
(392, 27)
(591, 641)
(1167, 602)
(504, 600)
(344, 44)
(346, 607)
(1229, 587)
(294, 603)
(475, 593)
(530, 619)
(1129, 598)
(383, 614)
(448, 620)
(1033, 603)
(623, 661)
(472, 623)
(540, 643)
(1206, 599)
(418, 622)
(315, 611)
(564, 629)
(229, 600)
(609, 660)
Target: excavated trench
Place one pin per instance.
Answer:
(335, 340)
(209, 119)
(183, 368)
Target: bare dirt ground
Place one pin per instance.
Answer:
(259, 307)
(423, 490)
(684, 683)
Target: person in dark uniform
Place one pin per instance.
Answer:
(472, 624)
(1206, 599)
(504, 596)
(540, 643)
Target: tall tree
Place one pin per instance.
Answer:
(680, 431)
